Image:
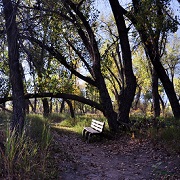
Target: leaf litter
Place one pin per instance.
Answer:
(121, 158)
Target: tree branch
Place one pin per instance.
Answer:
(61, 59)
(59, 95)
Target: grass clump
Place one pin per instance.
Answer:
(38, 129)
(27, 156)
(18, 155)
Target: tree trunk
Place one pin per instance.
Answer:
(155, 94)
(167, 84)
(27, 106)
(71, 108)
(50, 106)
(163, 105)
(4, 105)
(128, 92)
(106, 103)
(62, 106)
(15, 74)
(45, 107)
(151, 44)
(136, 101)
(57, 107)
(35, 105)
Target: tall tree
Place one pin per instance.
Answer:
(128, 91)
(152, 30)
(152, 38)
(10, 9)
(85, 46)
(92, 46)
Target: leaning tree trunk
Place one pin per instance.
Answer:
(151, 45)
(167, 84)
(15, 74)
(92, 46)
(128, 92)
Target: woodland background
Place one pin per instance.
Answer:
(121, 63)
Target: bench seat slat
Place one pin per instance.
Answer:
(91, 130)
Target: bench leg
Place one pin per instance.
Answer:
(89, 137)
(83, 133)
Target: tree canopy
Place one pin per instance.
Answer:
(68, 51)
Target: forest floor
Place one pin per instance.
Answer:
(118, 158)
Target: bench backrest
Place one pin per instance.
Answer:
(97, 125)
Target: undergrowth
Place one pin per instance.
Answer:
(169, 135)
(165, 130)
(31, 155)
(161, 130)
(27, 156)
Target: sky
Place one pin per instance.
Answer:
(104, 7)
(104, 4)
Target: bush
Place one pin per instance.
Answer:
(75, 125)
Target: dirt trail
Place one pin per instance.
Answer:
(120, 159)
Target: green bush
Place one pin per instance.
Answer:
(75, 125)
